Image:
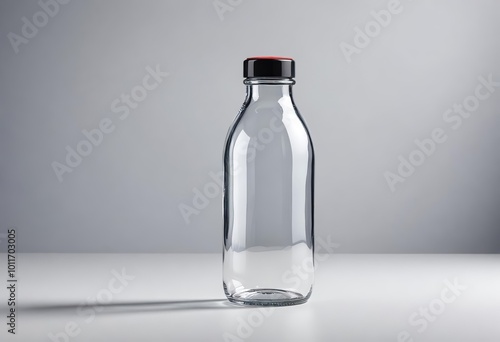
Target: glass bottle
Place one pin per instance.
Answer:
(268, 256)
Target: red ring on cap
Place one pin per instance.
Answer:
(270, 57)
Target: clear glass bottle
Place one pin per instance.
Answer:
(268, 256)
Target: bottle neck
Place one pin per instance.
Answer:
(275, 89)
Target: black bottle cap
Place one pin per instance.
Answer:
(269, 66)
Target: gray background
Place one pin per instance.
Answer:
(125, 196)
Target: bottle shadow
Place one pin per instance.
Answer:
(141, 306)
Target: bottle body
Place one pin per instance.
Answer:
(268, 199)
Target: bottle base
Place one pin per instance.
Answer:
(268, 297)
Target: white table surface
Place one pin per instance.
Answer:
(179, 297)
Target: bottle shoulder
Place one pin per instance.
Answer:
(261, 115)
(275, 122)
